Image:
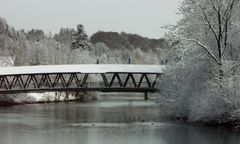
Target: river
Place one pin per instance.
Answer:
(112, 119)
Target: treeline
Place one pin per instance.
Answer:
(116, 40)
(34, 47)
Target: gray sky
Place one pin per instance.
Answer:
(144, 17)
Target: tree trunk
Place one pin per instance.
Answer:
(220, 71)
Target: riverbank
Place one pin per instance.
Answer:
(231, 121)
(48, 97)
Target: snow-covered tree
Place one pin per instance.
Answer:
(210, 25)
(201, 87)
(64, 36)
(80, 39)
(100, 49)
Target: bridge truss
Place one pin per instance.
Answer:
(76, 81)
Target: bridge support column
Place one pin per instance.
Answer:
(146, 95)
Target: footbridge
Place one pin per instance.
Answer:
(105, 78)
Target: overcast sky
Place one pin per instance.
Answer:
(144, 17)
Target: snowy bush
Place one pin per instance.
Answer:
(192, 91)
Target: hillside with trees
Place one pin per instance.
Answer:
(116, 40)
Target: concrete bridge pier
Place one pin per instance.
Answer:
(146, 95)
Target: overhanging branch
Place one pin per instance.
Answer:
(204, 47)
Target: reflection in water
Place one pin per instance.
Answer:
(108, 121)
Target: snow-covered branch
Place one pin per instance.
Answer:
(208, 21)
(203, 46)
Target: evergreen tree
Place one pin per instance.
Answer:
(80, 39)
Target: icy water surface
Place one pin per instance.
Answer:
(111, 120)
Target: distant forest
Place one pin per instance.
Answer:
(34, 47)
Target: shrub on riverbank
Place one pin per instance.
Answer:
(191, 91)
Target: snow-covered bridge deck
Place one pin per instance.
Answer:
(106, 78)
